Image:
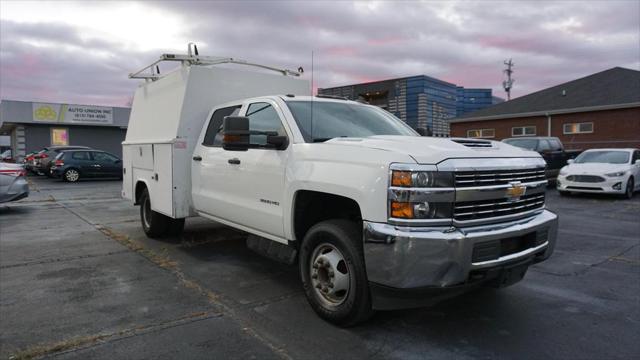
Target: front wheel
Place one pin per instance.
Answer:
(333, 272)
(630, 187)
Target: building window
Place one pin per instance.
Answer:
(578, 128)
(59, 136)
(481, 133)
(523, 131)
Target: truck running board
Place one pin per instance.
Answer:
(272, 249)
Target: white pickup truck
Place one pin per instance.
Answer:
(376, 216)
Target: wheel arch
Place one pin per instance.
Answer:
(139, 188)
(311, 207)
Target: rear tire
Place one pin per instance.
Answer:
(71, 175)
(333, 272)
(154, 224)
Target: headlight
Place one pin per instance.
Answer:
(421, 179)
(421, 210)
(616, 174)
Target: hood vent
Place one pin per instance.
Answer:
(473, 143)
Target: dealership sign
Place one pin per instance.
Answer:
(72, 114)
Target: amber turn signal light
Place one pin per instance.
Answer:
(401, 178)
(403, 210)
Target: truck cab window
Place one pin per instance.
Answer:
(213, 136)
(555, 145)
(263, 117)
(544, 145)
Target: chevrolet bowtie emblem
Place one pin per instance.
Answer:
(515, 191)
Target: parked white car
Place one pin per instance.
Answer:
(611, 171)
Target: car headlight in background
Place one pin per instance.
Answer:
(616, 174)
(421, 179)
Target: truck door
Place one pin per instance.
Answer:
(244, 187)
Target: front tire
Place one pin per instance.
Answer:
(333, 272)
(630, 187)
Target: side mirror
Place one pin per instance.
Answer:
(637, 162)
(570, 161)
(278, 142)
(235, 131)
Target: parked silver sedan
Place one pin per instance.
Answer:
(13, 182)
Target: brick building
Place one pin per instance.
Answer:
(600, 110)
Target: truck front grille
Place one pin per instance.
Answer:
(497, 177)
(585, 178)
(483, 209)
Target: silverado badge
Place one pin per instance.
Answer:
(515, 191)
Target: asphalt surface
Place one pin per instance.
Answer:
(78, 279)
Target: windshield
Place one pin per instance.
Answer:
(335, 119)
(608, 157)
(528, 144)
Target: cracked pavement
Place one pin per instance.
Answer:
(78, 279)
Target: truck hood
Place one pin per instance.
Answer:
(432, 150)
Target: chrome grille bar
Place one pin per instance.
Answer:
(497, 177)
(485, 209)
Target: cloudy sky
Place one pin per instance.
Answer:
(81, 52)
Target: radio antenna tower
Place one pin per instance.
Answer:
(508, 83)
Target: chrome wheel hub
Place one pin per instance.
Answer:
(72, 175)
(329, 275)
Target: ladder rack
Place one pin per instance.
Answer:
(195, 59)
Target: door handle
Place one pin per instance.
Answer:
(234, 161)
(197, 158)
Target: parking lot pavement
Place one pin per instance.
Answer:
(79, 279)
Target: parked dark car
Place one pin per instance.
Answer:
(73, 165)
(551, 149)
(44, 159)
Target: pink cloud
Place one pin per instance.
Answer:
(389, 40)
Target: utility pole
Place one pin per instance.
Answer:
(508, 83)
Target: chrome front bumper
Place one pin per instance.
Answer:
(439, 257)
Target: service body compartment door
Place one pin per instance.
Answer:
(128, 192)
(141, 156)
(161, 184)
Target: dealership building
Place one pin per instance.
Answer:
(596, 111)
(420, 101)
(30, 126)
